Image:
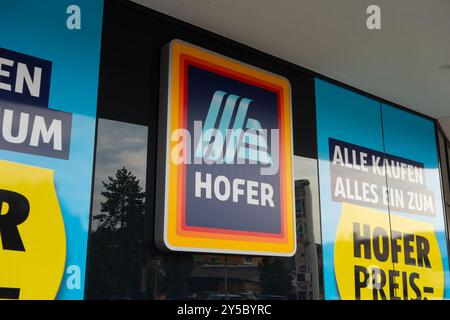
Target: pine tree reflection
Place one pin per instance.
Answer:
(118, 251)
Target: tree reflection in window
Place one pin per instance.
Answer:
(117, 252)
(121, 266)
(121, 225)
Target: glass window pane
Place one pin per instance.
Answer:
(444, 166)
(416, 205)
(308, 259)
(117, 253)
(447, 193)
(274, 278)
(237, 277)
(188, 276)
(349, 134)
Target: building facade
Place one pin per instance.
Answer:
(363, 187)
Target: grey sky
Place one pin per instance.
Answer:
(119, 144)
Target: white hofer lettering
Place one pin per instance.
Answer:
(253, 192)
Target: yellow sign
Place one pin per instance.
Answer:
(33, 247)
(373, 263)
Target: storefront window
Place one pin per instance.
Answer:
(308, 260)
(447, 177)
(379, 181)
(443, 151)
(120, 263)
(236, 277)
(137, 269)
(117, 253)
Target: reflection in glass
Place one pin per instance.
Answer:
(443, 151)
(117, 253)
(416, 207)
(308, 260)
(448, 173)
(237, 277)
(123, 266)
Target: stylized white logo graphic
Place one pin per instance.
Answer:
(254, 143)
(228, 136)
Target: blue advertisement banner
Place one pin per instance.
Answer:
(49, 68)
(381, 200)
(413, 137)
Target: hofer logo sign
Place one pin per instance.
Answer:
(225, 156)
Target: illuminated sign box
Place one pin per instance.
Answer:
(224, 156)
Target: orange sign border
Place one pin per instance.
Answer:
(175, 236)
